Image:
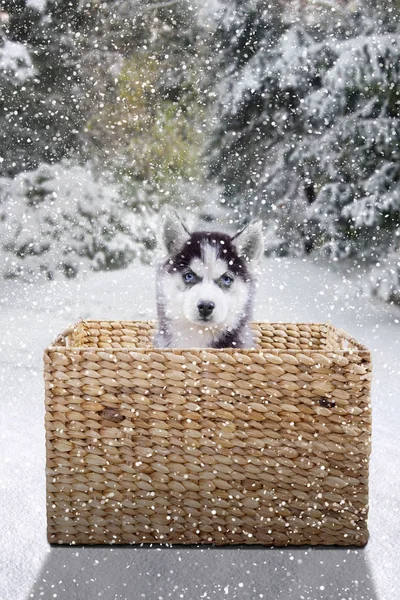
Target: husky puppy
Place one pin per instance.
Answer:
(205, 285)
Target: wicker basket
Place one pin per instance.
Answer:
(267, 446)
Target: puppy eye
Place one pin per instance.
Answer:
(188, 277)
(226, 280)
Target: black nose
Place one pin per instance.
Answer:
(205, 308)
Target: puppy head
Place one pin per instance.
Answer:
(207, 275)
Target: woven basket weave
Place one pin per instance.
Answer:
(267, 446)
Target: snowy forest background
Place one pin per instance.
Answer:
(228, 110)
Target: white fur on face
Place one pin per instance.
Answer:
(181, 300)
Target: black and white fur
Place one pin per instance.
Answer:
(205, 285)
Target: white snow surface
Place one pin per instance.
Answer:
(297, 290)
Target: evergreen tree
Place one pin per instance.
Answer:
(74, 49)
(321, 150)
(41, 116)
(247, 93)
(355, 170)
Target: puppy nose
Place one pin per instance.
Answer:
(205, 307)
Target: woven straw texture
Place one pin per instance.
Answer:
(265, 446)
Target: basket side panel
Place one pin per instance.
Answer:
(77, 337)
(202, 447)
(338, 340)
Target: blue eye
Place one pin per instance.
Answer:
(226, 280)
(188, 277)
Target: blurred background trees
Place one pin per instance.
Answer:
(114, 88)
(230, 109)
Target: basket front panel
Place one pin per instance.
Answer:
(204, 447)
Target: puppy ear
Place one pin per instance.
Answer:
(173, 233)
(249, 242)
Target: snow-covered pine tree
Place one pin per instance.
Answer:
(74, 50)
(354, 169)
(307, 51)
(356, 172)
(322, 155)
(246, 42)
(266, 72)
(41, 119)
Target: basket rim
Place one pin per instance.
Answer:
(359, 349)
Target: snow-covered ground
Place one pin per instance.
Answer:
(290, 290)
